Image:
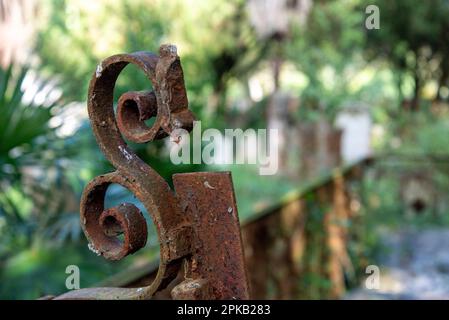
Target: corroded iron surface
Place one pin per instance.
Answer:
(217, 261)
(182, 220)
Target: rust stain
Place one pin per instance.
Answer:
(217, 261)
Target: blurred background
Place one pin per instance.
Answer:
(363, 116)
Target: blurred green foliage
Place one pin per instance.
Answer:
(25, 133)
(329, 46)
(414, 39)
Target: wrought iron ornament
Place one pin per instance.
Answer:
(198, 225)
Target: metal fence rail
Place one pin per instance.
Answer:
(303, 235)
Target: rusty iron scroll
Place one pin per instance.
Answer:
(197, 225)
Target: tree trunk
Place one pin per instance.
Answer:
(414, 105)
(443, 78)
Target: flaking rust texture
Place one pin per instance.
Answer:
(216, 266)
(198, 225)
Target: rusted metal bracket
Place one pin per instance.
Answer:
(197, 225)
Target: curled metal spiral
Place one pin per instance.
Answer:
(168, 104)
